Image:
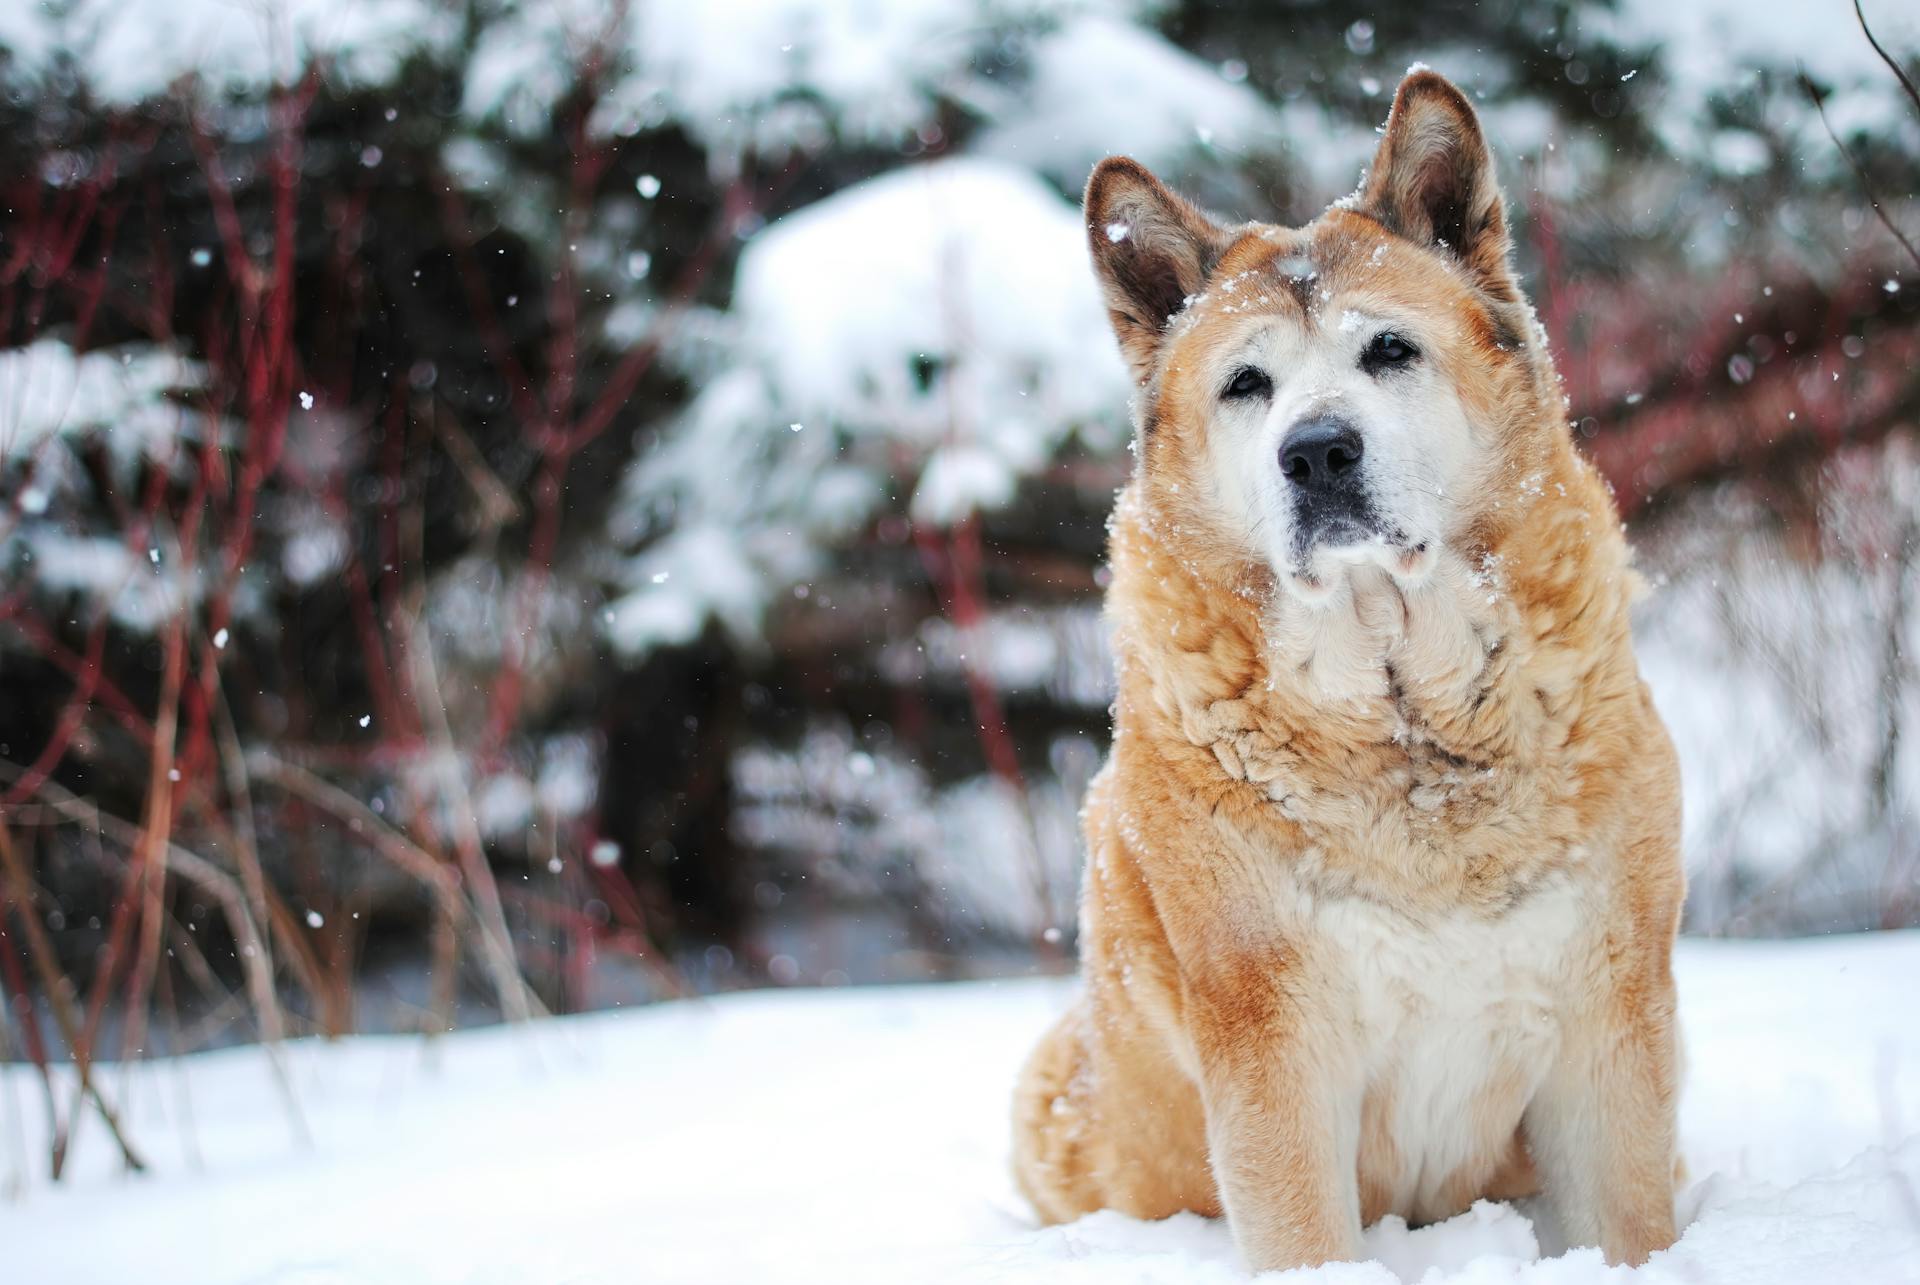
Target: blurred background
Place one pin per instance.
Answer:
(517, 508)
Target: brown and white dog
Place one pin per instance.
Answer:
(1383, 872)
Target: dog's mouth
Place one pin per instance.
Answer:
(1333, 520)
(1331, 530)
(1322, 554)
(1334, 536)
(1337, 532)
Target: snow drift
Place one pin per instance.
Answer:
(861, 1135)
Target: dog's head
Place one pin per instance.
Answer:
(1352, 392)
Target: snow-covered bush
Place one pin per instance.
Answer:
(1100, 86)
(126, 54)
(920, 343)
(58, 409)
(978, 856)
(572, 438)
(1786, 676)
(759, 76)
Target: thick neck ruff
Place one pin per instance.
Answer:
(1395, 717)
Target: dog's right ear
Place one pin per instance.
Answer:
(1152, 251)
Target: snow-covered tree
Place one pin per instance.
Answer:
(594, 480)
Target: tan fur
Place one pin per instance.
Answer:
(1435, 756)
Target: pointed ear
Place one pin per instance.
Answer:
(1152, 250)
(1432, 181)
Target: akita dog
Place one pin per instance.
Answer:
(1383, 871)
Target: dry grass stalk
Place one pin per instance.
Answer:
(58, 990)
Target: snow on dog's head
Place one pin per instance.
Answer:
(1347, 393)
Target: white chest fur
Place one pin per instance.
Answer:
(1454, 1023)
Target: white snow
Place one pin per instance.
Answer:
(1771, 671)
(102, 570)
(701, 570)
(55, 403)
(568, 781)
(315, 544)
(767, 73)
(936, 328)
(966, 261)
(960, 479)
(503, 803)
(1719, 46)
(1102, 87)
(861, 1135)
(46, 389)
(868, 821)
(728, 65)
(133, 51)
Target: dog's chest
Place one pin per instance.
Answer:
(1454, 1023)
(1463, 972)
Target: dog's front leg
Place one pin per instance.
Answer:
(1282, 1126)
(1601, 1128)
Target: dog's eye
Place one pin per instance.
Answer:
(1248, 381)
(1387, 351)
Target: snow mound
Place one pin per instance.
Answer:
(943, 300)
(935, 329)
(862, 1135)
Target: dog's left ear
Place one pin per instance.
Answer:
(1432, 181)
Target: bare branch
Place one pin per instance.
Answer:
(1866, 184)
(256, 953)
(1885, 57)
(517, 1002)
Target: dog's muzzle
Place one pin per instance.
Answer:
(1320, 458)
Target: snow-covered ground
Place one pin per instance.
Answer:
(861, 1135)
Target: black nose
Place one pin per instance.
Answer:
(1320, 453)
